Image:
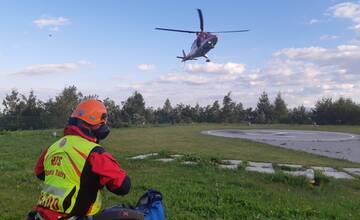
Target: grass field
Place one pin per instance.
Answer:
(193, 192)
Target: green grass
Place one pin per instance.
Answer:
(193, 192)
(187, 139)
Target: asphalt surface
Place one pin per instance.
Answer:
(331, 144)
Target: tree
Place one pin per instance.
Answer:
(187, 114)
(33, 110)
(280, 109)
(239, 113)
(214, 112)
(178, 113)
(250, 115)
(93, 96)
(134, 109)
(206, 114)
(22, 112)
(150, 115)
(228, 109)
(13, 106)
(167, 106)
(59, 110)
(166, 114)
(341, 111)
(28, 112)
(12, 103)
(264, 109)
(196, 112)
(114, 113)
(346, 111)
(203, 114)
(299, 115)
(323, 112)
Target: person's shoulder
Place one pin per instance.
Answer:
(100, 155)
(98, 149)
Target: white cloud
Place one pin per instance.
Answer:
(198, 74)
(145, 67)
(307, 52)
(51, 22)
(184, 78)
(44, 69)
(328, 37)
(305, 75)
(345, 52)
(55, 29)
(347, 10)
(253, 76)
(220, 68)
(314, 21)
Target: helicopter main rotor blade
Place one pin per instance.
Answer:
(201, 20)
(229, 31)
(176, 30)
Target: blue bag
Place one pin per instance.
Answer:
(151, 205)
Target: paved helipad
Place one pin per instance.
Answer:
(331, 144)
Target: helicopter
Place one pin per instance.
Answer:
(204, 42)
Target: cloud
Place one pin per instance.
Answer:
(202, 74)
(345, 52)
(348, 10)
(302, 75)
(220, 68)
(314, 21)
(52, 23)
(145, 67)
(184, 78)
(305, 75)
(345, 10)
(307, 52)
(45, 69)
(328, 37)
(55, 29)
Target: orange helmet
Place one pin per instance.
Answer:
(91, 111)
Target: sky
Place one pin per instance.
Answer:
(306, 50)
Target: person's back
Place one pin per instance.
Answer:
(75, 168)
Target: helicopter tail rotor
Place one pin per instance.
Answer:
(184, 54)
(182, 57)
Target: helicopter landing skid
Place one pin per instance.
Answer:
(207, 58)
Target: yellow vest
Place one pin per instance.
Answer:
(63, 165)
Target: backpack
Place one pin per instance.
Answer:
(151, 205)
(119, 212)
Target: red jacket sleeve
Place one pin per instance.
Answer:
(110, 173)
(39, 167)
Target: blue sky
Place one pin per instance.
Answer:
(304, 49)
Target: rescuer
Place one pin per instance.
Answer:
(75, 168)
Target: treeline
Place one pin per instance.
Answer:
(28, 112)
